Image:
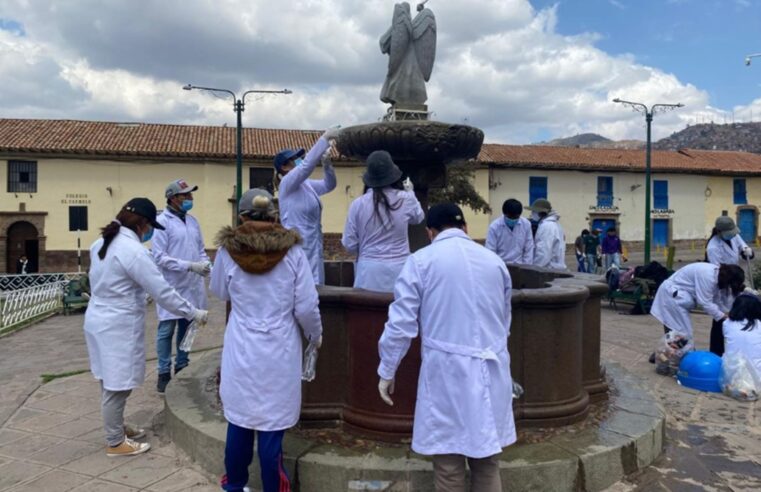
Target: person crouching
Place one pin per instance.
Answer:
(261, 268)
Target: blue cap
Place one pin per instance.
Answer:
(700, 370)
(286, 155)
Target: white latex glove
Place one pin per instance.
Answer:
(747, 252)
(408, 186)
(202, 268)
(332, 133)
(386, 388)
(201, 316)
(325, 160)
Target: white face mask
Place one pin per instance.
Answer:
(535, 216)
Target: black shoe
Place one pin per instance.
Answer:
(652, 358)
(178, 369)
(163, 381)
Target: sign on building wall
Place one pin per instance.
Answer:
(76, 199)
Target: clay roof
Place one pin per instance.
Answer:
(147, 140)
(685, 160)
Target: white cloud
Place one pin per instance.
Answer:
(501, 66)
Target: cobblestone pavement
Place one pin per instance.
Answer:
(51, 436)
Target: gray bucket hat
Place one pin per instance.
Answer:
(381, 170)
(257, 203)
(726, 224)
(541, 205)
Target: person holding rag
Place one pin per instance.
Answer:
(455, 295)
(299, 196)
(179, 251)
(377, 224)
(510, 236)
(262, 270)
(725, 246)
(549, 241)
(121, 272)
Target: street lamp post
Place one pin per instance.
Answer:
(649, 112)
(239, 105)
(750, 57)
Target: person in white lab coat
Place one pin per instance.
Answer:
(742, 330)
(262, 270)
(299, 196)
(549, 241)
(121, 273)
(510, 235)
(180, 254)
(697, 284)
(456, 295)
(376, 227)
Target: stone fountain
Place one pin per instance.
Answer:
(348, 439)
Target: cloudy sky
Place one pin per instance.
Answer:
(522, 70)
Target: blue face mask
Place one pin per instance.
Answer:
(186, 205)
(511, 222)
(148, 235)
(298, 162)
(728, 236)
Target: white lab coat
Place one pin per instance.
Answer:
(173, 251)
(718, 251)
(262, 353)
(456, 295)
(514, 245)
(115, 317)
(549, 244)
(381, 244)
(693, 285)
(301, 208)
(748, 342)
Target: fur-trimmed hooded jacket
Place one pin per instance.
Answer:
(257, 246)
(262, 270)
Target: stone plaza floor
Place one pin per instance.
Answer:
(51, 437)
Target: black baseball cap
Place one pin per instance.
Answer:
(445, 215)
(144, 208)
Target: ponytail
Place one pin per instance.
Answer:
(126, 219)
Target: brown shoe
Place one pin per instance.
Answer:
(134, 432)
(127, 448)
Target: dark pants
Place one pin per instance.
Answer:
(717, 338)
(239, 452)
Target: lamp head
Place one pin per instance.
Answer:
(287, 91)
(616, 100)
(187, 87)
(747, 61)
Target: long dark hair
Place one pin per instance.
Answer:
(733, 277)
(381, 200)
(127, 219)
(746, 307)
(714, 233)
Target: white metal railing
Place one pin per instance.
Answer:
(10, 283)
(22, 305)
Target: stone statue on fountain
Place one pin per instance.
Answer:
(411, 47)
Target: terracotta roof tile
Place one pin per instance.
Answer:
(214, 142)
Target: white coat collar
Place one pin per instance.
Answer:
(450, 233)
(128, 233)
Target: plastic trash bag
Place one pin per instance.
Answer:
(738, 377)
(190, 334)
(309, 372)
(672, 347)
(517, 390)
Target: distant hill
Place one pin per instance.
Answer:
(595, 141)
(732, 136)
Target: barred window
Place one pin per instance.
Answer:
(22, 176)
(77, 218)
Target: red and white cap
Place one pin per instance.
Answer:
(179, 187)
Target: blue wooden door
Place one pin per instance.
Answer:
(746, 221)
(660, 232)
(603, 224)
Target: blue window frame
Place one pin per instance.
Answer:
(660, 194)
(740, 196)
(537, 188)
(604, 191)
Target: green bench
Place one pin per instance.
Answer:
(76, 294)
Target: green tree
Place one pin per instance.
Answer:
(460, 189)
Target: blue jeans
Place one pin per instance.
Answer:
(612, 258)
(239, 452)
(591, 263)
(164, 345)
(580, 263)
